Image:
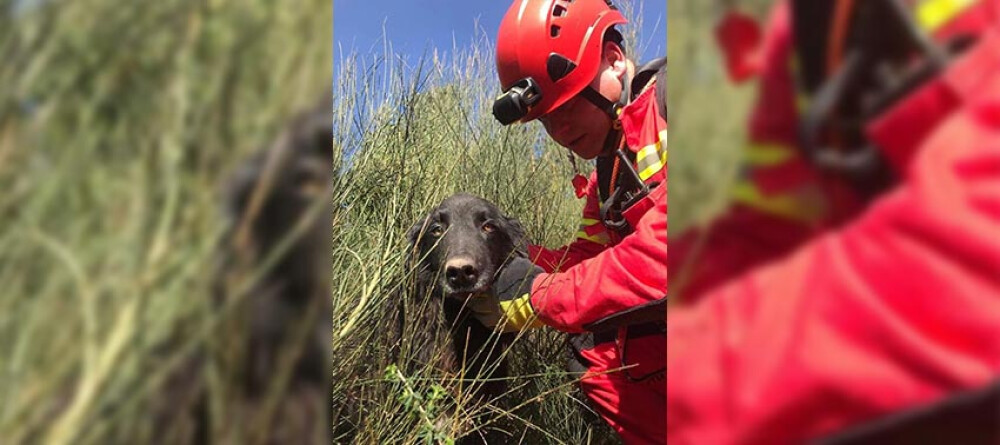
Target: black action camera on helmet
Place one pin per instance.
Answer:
(513, 104)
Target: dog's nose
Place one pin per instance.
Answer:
(461, 272)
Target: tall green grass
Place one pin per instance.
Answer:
(708, 114)
(409, 136)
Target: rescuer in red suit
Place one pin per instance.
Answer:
(855, 281)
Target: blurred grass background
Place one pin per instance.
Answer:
(118, 123)
(708, 113)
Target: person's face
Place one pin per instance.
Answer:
(578, 124)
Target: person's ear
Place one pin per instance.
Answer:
(614, 58)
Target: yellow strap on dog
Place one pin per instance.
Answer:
(519, 314)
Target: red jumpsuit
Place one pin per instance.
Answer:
(602, 274)
(857, 313)
(779, 200)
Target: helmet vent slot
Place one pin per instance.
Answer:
(554, 31)
(558, 11)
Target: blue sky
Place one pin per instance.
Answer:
(415, 26)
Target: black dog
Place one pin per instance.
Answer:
(457, 249)
(280, 196)
(279, 205)
(276, 206)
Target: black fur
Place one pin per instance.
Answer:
(300, 161)
(285, 317)
(456, 250)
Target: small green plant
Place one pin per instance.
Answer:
(426, 407)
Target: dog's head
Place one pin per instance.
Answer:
(463, 242)
(278, 188)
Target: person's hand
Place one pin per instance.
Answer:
(507, 307)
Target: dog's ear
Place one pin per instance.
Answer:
(414, 233)
(412, 237)
(515, 230)
(237, 188)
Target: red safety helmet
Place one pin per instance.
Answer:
(547, 52)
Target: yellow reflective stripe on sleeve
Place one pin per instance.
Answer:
(932, 14)
(650, 163)
(767, 155)
(802, 102)
(785, 205)
(599, 238)
(519, 314)
(652, 158)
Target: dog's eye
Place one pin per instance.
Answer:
(489, 227)
(436, 231)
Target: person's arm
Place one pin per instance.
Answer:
(630, 274)
(742, 238)
(552, 260)
(894, 310)
(591, 237)
(618, 285)
(777, 201)
(627, 281)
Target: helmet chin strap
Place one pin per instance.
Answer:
(613, 139)
(616, 192)
(612, 109)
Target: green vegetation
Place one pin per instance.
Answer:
(417, 134)
(707, 113)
